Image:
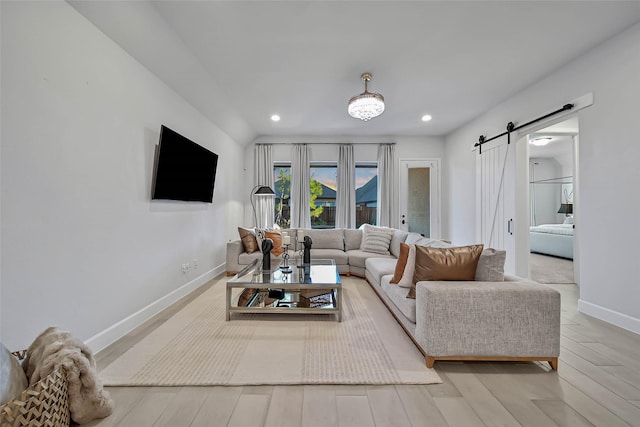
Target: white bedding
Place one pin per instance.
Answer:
(563, 229)
(552, 239)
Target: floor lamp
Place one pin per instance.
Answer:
(260, 191)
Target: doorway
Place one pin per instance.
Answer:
(419, 207)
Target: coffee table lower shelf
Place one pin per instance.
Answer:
(297, 299)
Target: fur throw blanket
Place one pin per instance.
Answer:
(57, 348)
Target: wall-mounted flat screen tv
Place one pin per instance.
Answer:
(184, 170)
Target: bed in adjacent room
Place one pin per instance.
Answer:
(552, 239)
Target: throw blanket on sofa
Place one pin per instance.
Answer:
(57, 348)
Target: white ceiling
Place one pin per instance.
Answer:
(239, 62)
(561, 144)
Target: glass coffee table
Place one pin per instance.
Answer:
(311, 288)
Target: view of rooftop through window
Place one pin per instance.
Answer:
(323, 194)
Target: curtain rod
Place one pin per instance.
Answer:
(511, 127)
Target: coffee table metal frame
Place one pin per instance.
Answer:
(253, 277)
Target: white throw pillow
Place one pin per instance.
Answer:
(433, 243)
(407, 276)
(412, 238)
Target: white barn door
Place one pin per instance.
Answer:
(495, 198)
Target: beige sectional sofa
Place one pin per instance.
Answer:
(511, 319)
(342, 245)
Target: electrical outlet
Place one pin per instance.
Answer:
(195, 264)
(185, 268)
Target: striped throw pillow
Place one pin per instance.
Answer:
(377, 240)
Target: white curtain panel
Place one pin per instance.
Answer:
(300, 187)
(387, 211)
(346, 194)
(263, 167)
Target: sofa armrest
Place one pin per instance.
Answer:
(234, 249)
(514, 319)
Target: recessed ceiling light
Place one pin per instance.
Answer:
(275, 118)
(426, 117)
(539, 142)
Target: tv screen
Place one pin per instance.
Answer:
(184, 170)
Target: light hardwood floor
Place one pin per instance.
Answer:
(597, 384)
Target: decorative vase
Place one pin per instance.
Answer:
(267, 245)
(306, 257)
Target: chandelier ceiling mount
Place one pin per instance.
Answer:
(366, 105)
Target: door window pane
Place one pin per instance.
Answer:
(419, 209)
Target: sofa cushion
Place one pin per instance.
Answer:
(352, 239)
(457, 263)
(338, 255)
(357, 258)
(398, 237)
(13, 380)
(248, 237)
(398, 296)
(491, 265)
(376, 239)
(246, 259)
(378, 267)
(327, 238)
(277, 242)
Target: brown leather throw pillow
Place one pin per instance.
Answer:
(457, 263)
(277, 242)
(249, 241)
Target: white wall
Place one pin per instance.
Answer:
(83, 247)
(608, 159)
(566, 162)
(326, 149)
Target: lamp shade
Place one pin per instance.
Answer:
(264, 190)
(566, 208)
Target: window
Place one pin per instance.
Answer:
(323, 194)
(366, 193)
(282, 179)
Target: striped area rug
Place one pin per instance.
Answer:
(198, 347)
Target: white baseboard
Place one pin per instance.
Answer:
(110, 335)
(619, 319)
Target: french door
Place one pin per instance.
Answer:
(420, 197)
